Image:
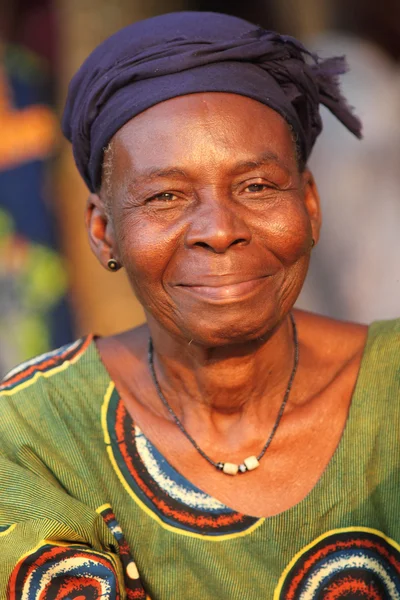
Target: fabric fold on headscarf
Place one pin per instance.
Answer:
(189, 52)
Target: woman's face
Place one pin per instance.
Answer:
(210, 216)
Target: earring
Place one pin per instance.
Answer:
(312, 243)
(113, 265)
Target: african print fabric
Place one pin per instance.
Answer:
(90, 508)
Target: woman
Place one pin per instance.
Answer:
(230, 448)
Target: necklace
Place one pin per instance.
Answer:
(252, 462)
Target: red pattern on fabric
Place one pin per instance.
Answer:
(45, 365)
(347, 586)
(134, 588)
(339, 545)
(203, 521)
(33, 561)
(72, 584)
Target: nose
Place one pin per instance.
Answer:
(217, 226)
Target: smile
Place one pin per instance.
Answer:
(225, 292)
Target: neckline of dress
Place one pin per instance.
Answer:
(328, 473)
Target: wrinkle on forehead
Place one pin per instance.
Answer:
(205, 124)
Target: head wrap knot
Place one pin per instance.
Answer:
(183, 53)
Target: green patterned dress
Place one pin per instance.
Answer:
(90, 508)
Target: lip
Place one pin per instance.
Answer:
(226, 291)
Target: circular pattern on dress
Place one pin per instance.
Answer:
(351, 564)
(64, 572)
(158, 488)
(6, 529)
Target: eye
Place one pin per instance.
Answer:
(258, 187)
(163, 197)
(255, 187)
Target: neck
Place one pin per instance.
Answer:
(221, 385)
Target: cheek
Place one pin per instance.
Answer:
(146, 250)
(288, 234)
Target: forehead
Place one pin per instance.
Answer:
(213, 127)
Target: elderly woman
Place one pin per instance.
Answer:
(231, 448)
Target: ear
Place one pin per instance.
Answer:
(312, 203)
(100, 230)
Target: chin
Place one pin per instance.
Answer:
(214, 331)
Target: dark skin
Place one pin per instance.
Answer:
(207, 210)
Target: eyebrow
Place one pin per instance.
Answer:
(265, 158)
(156, 173)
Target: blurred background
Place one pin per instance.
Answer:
(51, 287)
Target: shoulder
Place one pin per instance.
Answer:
(345, 338)
(382, 353)
(124, 354)
(44, 367)
(49, 388)
(339, 339)
(337, 344)
(55, 396)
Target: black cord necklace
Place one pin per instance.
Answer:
(252, 462)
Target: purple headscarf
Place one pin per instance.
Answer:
(187, 52)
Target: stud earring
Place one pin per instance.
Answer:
(113, 265)
(312, 243)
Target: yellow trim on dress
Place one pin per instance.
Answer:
(8, 530)
(49, 373)
(299, 554)
(142, 505)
